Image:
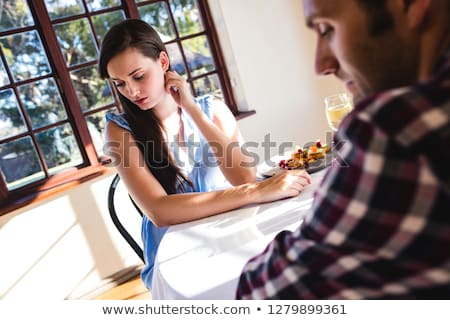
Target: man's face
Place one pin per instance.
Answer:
(365, 63)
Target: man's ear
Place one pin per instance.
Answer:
(416, 11)
(165, 61)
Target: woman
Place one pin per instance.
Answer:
(163, 144)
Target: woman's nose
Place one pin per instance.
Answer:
(133, 90)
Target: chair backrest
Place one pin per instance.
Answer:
(119, 225)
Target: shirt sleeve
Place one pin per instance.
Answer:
(118, 119)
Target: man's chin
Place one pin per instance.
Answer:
(353, 90)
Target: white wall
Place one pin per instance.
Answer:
(63, 247)
(274, 54)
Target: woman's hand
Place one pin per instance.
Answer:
(179, 89)
(287, 184)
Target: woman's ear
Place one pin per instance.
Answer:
(165, 61)
(416, 11)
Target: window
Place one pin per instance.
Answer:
(52, 102)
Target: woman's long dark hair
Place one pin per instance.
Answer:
(145, 125)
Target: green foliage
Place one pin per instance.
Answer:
(14, 13)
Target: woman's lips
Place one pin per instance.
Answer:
(140, 101)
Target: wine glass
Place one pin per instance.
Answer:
(336, 108)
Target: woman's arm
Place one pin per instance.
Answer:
(222, 133)
(164, 209)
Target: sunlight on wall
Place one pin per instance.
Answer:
(61, 248)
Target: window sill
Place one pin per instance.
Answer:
(245, 114)
(45, 191)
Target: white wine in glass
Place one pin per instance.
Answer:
(336, 108)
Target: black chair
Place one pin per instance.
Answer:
(120, 227)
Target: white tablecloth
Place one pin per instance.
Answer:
(203, 259)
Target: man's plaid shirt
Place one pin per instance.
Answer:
(380, 223)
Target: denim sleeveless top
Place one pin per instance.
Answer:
(200, 167)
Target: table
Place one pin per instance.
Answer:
(203, 259)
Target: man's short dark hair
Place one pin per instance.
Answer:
(379, 18)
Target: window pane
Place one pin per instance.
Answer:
(59, 148)
(14, 14)
(187, 16)
(96, 125)
(104, 22)
(11, 118)
(25, 55)
(42, 102)
(157, 16)
(3, 75)
(94, 5)
(198, 55)
(176, 60)
(19, 163)
(92, 91)
(76, 41)
(61, 9)
(208, 85)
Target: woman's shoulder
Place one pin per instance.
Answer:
(119, 119)
(205, 103)
(209, 103)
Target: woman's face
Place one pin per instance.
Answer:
(139, 78)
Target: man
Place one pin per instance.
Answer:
(379, 227)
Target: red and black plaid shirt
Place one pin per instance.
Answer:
(380, 226)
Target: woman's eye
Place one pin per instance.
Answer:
(118, 84)
(140, 77)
